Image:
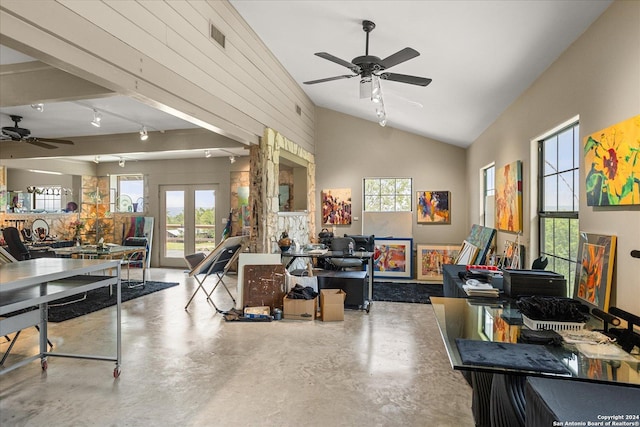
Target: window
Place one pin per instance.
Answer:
(488, 193)
(387, 195)
(49, 199)
(558, 202)
(127, 193)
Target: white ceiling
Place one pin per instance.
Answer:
(481, 56)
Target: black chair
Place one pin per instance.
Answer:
(540, 263)
(17, 249)
(339, 246)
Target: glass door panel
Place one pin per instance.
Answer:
(205, 220)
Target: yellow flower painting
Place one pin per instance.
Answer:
(612, 164)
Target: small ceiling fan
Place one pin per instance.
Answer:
(16, 133)
(368, 65)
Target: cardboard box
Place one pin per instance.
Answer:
(300, 309)
(332, 304)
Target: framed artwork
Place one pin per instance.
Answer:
(467, 255)
(612, 158)
(283, 198)
(508, 197)
(431, 258)
(511, 256)
(594, 270)
(336, 206)
(393, 258)
(482, 238)
(433, 207)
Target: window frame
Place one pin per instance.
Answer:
(395, 194)
(544, 214)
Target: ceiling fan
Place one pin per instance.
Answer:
(15, 133)
(368, 65)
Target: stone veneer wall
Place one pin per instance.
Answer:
(266, 223)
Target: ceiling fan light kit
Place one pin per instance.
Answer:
(371, 69)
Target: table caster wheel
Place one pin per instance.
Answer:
(116, 372)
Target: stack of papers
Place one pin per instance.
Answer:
(474, 288)
(318, 251)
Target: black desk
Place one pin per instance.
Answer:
(451, 282)
(500, 321)
(368, 256)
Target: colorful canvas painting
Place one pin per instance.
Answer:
(431, 258)
(336, 206)
(393, 258)
(482, 238)
(509, 197)
(612, 165)
(433, 207)
(594, 271)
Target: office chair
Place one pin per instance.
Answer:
(340, 245)
(17, 249)
(540, 263)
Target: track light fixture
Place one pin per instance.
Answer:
(97, 118)
(232, 159)
(38, 107)
(143, 134)
(121, 162)
(207, 153)
(96, 160)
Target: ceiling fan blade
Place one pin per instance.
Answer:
(339, 61)
(403, 78)
(55, 141)
(328, 79)
(402, 55)
(39, 143)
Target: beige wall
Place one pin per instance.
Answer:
(597, 78)
(349, 149)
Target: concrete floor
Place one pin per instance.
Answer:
(386, 368)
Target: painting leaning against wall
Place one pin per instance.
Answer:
(612, 164)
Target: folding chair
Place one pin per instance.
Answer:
(217, 263)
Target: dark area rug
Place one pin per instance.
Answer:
(98, 299)
(406, 292)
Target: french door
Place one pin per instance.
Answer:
(188, 223)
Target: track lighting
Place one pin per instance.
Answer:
(143, 134)
(97, 118)
(207, 153)
(121, 162)
(38, 107)
(232, 159)
(96, 160)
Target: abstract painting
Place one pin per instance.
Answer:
(612, 159)
(431, 258)
(509, 197)
(482, 238)
(336, 206)
(433, 207)
(393, 258)
(594, 270)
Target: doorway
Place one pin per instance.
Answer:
(188, 224)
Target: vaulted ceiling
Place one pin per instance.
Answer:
(481, 56)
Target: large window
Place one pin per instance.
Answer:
(387, 195)
(127, 193)
(49, 199)
(558, 202)
(488, 193)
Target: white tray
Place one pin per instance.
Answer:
(554, 326)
